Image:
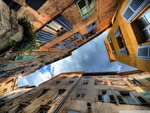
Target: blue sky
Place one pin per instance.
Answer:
(91, 57)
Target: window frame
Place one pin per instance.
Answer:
(134, 12)
(148, 52)
(87, 6)
(118, 34)
(147, 27)
(81, 93)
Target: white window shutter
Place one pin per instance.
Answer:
(143, 52)
(133, 8)
(117, 32)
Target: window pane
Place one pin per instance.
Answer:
(89, 1)
(78, 95)
(143, 51)
(34, 4)
(148, 16)
(81, 4)
(82, 96)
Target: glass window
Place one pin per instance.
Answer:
(34, 4)
(86, 8)
(5, 90)
(147, 15)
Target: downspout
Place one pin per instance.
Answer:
(66, 97)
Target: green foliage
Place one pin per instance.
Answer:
(12, 42)
(28, 43)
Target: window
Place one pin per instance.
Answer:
(63, 22)
(111, 45)
(53, 29)
(121, 43)
(100, 82)
(126, 98)
(143, 24)
(12, 86)
(12, 5)
(112, 99)
(67, 43)
(117, 82)
(44, 108)
(146, 94)
(44, 36)
(70, 82)
(104, 95)
(5, 90)
(85, 82)
(136, 83)
(133, 8)
(34, 4)
(141, 100)
(20, 107)
(81, 94)
(117, 32)
(41, 93)
(24, 57)
(58, 94)
(91, 27)
(145, 78)
(63, 77)
(55, 83)
(75, 37)
(75, 77)
(70, 111)
(121, 101)
(109, 40)
(100, 97)
(86, 8)
(143, 52)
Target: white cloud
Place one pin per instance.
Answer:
(91, 57)
(35, 78)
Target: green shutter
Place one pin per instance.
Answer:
(92, 7)
(87, 10)
(24, 58)
(10, 65)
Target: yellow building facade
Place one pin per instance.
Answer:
(128, 38)
(8, 85)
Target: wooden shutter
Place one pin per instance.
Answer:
(92, 6)
(91, 27)
(112, 99)
(121, 101)
(63, 22)
(142, 101)
(133, 8)
(100, 98)
(24, 57)
(83, 9)
(143, 52)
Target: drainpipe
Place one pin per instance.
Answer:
(66, 97)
